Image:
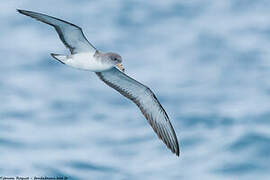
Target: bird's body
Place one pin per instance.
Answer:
(84, 61)
(86, 57)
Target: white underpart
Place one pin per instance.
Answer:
(87, 61)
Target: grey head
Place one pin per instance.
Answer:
(113, 58)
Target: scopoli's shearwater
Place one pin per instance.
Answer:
(85, 56)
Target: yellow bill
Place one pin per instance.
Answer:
(120, 66)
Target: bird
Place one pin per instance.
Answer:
(108, 67)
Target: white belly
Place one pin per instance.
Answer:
(87, 61)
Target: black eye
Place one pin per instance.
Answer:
(115, 59)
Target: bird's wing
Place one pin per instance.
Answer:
(146, 101)
(70, 34)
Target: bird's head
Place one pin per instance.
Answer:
(116, 60)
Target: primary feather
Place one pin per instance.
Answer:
(146, 100)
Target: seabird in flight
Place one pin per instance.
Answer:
(85, 56)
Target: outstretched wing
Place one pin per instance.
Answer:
(146, 101)
(70, 34)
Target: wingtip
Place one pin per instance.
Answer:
(177, 149)
(25, 12)
(20, 10)
(177, 153)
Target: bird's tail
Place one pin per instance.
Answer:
(61, 58)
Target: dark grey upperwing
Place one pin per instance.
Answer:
(70, 34)
(146, 101)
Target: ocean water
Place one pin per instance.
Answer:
(208, 63)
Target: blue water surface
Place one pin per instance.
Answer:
(208, 63)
